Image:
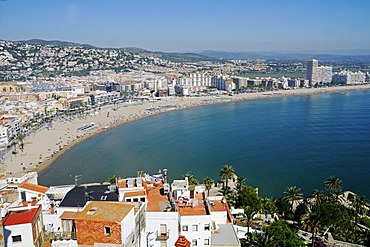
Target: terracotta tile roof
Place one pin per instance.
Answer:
(155, 198)
(218, 206)
(182, 242)
(33, 187)
(122, 183)
(66, 215)
(105, 211)
(191, 210)
(21, 217)
(135, 193)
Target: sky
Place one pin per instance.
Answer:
(192, 25)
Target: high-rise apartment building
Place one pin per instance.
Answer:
(316, 74)
(313, 72)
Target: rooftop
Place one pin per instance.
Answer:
(225, 236)
(217, 205)
(157, 201)
(23, 216)
(66, 215)
(33, 187)
(105, 211)
(195, 206)
(79, 195)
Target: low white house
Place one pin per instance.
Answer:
(23, 226)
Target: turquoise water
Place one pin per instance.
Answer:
(274, 143)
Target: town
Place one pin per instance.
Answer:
(45, 85)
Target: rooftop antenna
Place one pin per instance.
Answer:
(77, 177)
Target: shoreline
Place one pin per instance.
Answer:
(47, 145)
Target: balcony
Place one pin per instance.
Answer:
(63, 236)
(162, 236)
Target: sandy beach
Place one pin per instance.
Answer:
(42, 148)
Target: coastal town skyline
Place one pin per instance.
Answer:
(192, 26)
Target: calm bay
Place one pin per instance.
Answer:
(274, 143)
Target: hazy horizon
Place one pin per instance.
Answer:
(192, 26)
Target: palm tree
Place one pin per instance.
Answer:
(240, 180)
(311, 222)
(293, 194)
(208, 183)
(358, 205)
(334, 185)
(227, 171)
(192, 180)
(318, 196)
(248, 215)
(21, 138)
(268, 205)
(225, 191)
(14, 144)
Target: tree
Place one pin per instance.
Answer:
(21, 138)
(112, 179)
(300, 211)
(268, 206)
(14, 144)
(284, 208)
(192, 180)
(358, 204)
(293, 194)
(334, 185)
(283, 235)
(255, 239)
(248, 196)
(225, 190)
(327, 215)
(240, 180)
(227, 171)
(317, 196)
(208, 183)
(311, 222)
(248, 215)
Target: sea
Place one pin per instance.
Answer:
(274, 143)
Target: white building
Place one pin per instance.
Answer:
(222, 83)
(23, 227)
(349, 78)
(316, 74)
(162, 222)
(6, 134)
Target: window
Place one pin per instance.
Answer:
(194, 242)
(185, 228)
(206, 241)
(163, 229)
(194, 228)
(17, 238)
(107, 230)
(206, 227)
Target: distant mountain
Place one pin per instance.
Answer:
(333, 55)
(170, 56)
(186, 57)
(55, 43)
